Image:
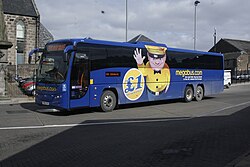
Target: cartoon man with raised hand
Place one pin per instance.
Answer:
(156, 70)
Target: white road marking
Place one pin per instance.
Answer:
(120, 122)
(93, 124)
(223, 109)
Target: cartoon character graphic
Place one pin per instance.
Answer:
(156, 71)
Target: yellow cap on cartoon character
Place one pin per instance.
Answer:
(156, 51)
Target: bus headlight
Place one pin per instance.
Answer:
(58, 97)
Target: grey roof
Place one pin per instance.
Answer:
(231, 45)
(20, 7)
(140, 38)
(44, 36)
(239, 44)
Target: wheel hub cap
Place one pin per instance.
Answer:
(108, 101)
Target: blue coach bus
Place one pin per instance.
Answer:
(76, 73)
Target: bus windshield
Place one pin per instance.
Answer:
(52, 68)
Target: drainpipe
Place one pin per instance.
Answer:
(37, 34)
(37, 26)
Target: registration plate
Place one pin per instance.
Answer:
(45, 103)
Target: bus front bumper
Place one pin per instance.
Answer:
(51, 100)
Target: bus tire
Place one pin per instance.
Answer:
(108, 101)
(199, 93)
(188, 94)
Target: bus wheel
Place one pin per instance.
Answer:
(108, 101)
(199, 93)
(188, 94)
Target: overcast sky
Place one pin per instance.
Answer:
(164, 21)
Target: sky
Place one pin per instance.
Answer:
(165, 21)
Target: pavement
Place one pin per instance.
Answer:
(16, 100)
(242, 161)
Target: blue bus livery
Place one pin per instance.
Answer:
(75, 73)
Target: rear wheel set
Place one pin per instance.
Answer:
(189, 93)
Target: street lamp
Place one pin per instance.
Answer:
(195, 5)
(16, 63)
(214, 39)
(126, 10)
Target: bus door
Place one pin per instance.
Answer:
(79, 82)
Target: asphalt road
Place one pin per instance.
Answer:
(213, 132)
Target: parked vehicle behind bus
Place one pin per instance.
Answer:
(227, 78)
(76, 73)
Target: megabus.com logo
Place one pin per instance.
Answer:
(44, 88)
(189, 74)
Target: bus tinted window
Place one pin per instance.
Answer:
(193, 60)
(97, 54)
(98, 57)
(121, 57)
(105, 56)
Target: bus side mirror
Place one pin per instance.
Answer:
(67, 51)
(32, 52)
(65, 57)
(38, 58)
(29, 60)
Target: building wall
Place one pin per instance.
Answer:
(242, 62)
(24, 70)
(30, 35)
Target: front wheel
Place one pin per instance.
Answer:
(108, 101)
(199, 93)
(188, 94)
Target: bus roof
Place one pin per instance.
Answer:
(127, 44)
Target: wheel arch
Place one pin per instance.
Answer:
(191, 85)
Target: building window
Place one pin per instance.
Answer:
(20, 37)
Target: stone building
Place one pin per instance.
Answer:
(24, 29)
(236, 55)
(25, 32)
